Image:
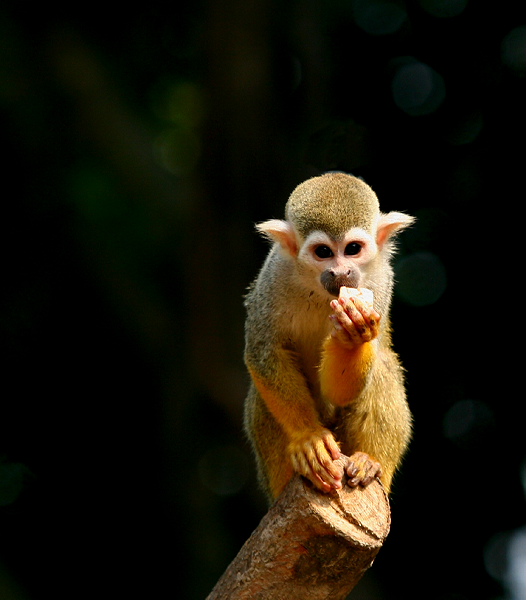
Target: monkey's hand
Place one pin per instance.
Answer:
(362, 469)
(312, 454)
(355, 321)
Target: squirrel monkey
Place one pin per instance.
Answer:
(324, 377)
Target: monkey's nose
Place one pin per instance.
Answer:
(332, 280)
(335, 273)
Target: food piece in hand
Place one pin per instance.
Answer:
(364, 294)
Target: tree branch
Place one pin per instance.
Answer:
(309, 545)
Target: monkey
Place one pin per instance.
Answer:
(324, 379)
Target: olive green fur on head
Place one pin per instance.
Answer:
(333, 203)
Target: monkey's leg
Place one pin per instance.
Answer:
(270, 445)
(311, 447)
(378, 422)
(278, 469)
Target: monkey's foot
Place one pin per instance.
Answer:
(362, 469)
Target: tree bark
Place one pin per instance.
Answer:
(309, 546)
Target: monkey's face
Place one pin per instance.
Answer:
(328, 263)
(323, 261)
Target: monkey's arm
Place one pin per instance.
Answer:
(350, 351)
(344, 371)
(356, 369)
(312, 448)
(349, 357)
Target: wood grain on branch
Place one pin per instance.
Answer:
(309, 546)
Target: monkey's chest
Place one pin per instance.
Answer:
(309, 364)
(308, 323)
(308, 347)
(309, 328)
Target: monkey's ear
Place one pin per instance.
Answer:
(282, 233)
(390, 224)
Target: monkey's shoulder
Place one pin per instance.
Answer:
(279, 298)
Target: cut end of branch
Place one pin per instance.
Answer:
(309, 545)
(361, 515)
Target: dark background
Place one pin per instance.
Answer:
(140, 145)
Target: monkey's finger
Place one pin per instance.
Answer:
(301, 465)
(364, 317)
(327, 469)
(351, 308)
(349, 339)
(321, 462)
(333, 449)
(332, 446)
(354, 474)
(329, 483)
(370, 316)
(347, 331)
(374, 324)
(366, 309)
(320, 484)
(306, 461)
(371, 470)
(362, 469)
(369, 313)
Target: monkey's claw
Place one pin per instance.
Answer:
(362, 469)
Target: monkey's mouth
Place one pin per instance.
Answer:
(333, 282)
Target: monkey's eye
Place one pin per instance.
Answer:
(353, 248)
(323, 252)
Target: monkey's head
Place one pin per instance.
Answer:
(334, 231)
